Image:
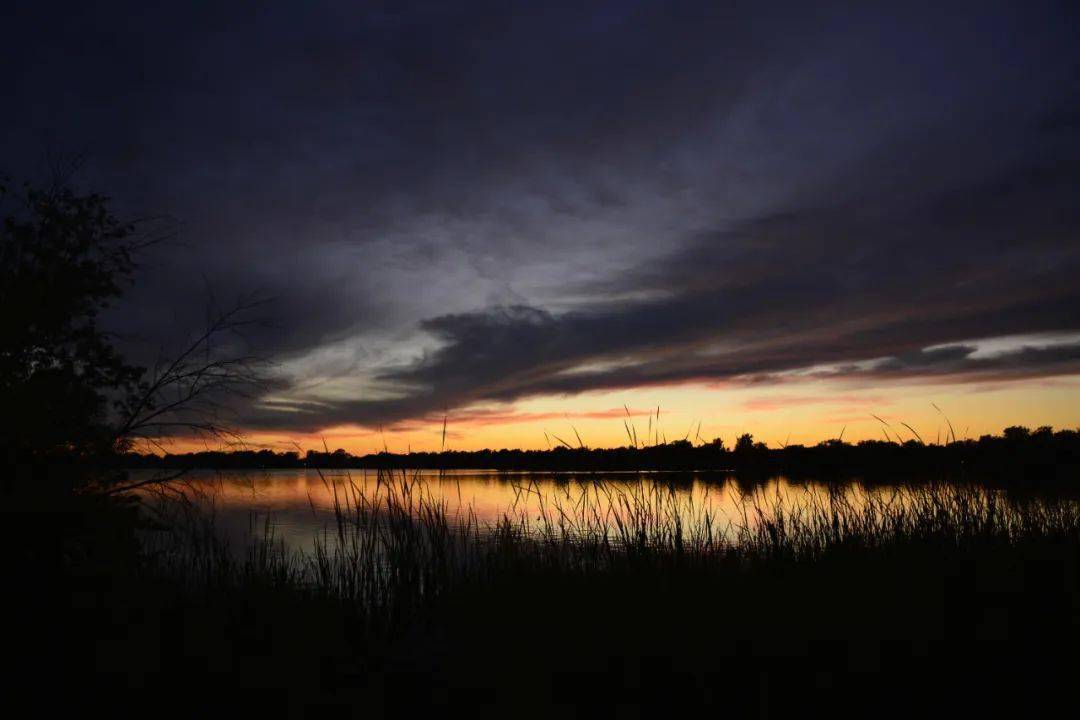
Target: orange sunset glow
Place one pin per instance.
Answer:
(777, 416)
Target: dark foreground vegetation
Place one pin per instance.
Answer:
(939, 599)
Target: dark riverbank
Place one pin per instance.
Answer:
(1041, 456)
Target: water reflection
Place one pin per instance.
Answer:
(299, 506)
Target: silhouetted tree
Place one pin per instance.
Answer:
(65, 391)
(1016, 433)
(744, 444)
(63, 258)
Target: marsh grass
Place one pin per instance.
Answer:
(593, 596)
(397, 550)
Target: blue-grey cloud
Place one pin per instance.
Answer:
(487, 201)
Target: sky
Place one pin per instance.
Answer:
(534, 219)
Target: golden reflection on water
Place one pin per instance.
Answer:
(300, 504)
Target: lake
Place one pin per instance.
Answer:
(300, 506)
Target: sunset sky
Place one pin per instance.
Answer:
(534, 218)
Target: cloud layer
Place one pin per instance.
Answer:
(492, 201)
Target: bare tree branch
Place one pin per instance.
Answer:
(192, 392)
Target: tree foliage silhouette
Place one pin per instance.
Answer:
(67, 392)
(63, 258)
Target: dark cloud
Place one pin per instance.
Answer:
(488, 201)
(959, 363)
(835, 286)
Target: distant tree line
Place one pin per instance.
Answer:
(1042, 453)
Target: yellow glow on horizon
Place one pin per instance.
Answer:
(804, 413)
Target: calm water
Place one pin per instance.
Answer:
(299, 505)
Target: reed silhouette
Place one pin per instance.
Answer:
(961, 597)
